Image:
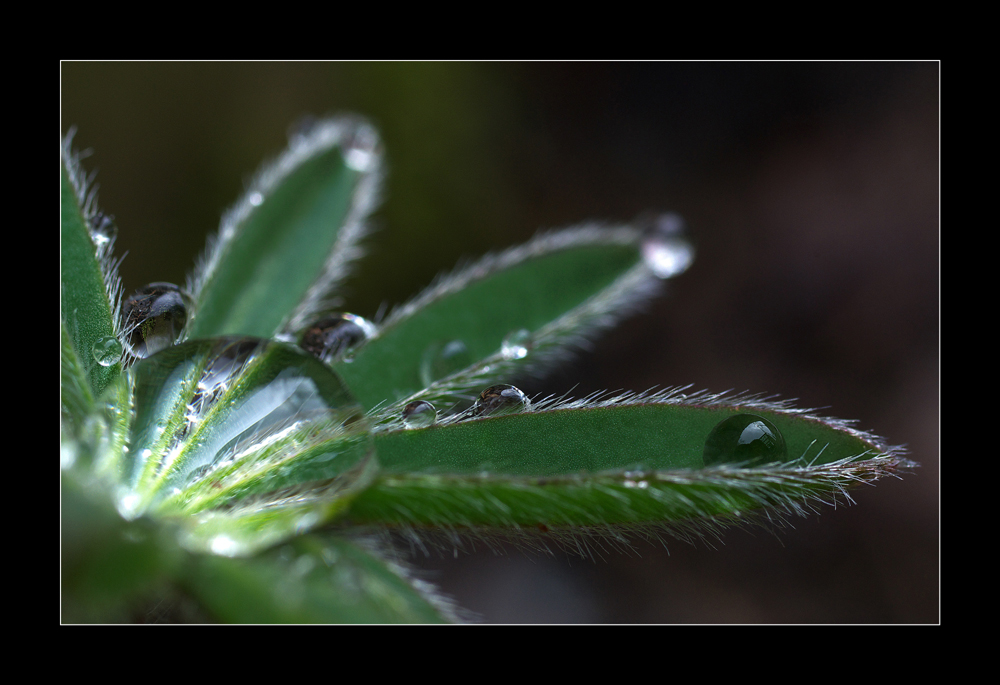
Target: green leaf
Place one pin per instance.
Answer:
(85, 301)
(558, 290)
(105, 560)
(311, 581)
(288, 241)
(631, 460)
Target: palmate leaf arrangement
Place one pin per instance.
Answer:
(250, 443)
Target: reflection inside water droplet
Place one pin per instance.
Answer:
(334, 335)
(419, 414)
(442, 359)
(516, 345)
(253, 404)
(152, 318)
(107, 350)
(664, 249)
(746, 439)
(498, 400)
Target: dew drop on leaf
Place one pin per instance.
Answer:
(255, 403)
(664, 249)
(107, 350)
(516, 345)
(498, 400)
(332, 336)
(746, 439)
(153, 317)
(102, 229)
(442, 359)
(419, 414)
(360, 147)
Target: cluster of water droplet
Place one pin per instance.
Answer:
(747, 440)
(153, 318)
(336, 335)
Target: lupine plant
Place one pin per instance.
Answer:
(249, 443)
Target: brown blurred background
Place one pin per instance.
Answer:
(811, 192)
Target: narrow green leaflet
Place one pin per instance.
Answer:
(313, 581)
(289, 240)
(631, 460)
(502, 315)
(89, 281)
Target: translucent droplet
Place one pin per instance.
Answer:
(361, 148)
(419, 414)
(107, 350)
(746, 439)
(153, 316)
(498, 400)
(256, 199)
(664, 249)
(102, 229)
(334, 335)
(516, 345)
(442, 359)
(256, 404)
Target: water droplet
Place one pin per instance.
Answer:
(747, 439)
(107, 350)
(361, 147)
(664, 249)
(102, 229)
(516, 345)
(256, 199)
(419, 414)
(442, 359)
(498, 400)
(153, 316)
(334, 335)
(255, 401)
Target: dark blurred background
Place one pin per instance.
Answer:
(810, 190)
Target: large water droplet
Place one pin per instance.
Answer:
(664, 249)
(263, 407)
(747, 439)
(107, 350)
(419, 414)
(152, 317)
(498, 400)
(334, 335)
(442, 359)
(516, 345)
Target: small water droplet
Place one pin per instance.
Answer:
(153, 316)
(102, 229)
(664, 249)
(747, 439)
(256, 199)
(442, 359)
(419, 414)
(498, 400)
(360, 148)
(516, 345)
(334, 335)
(107, 350)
